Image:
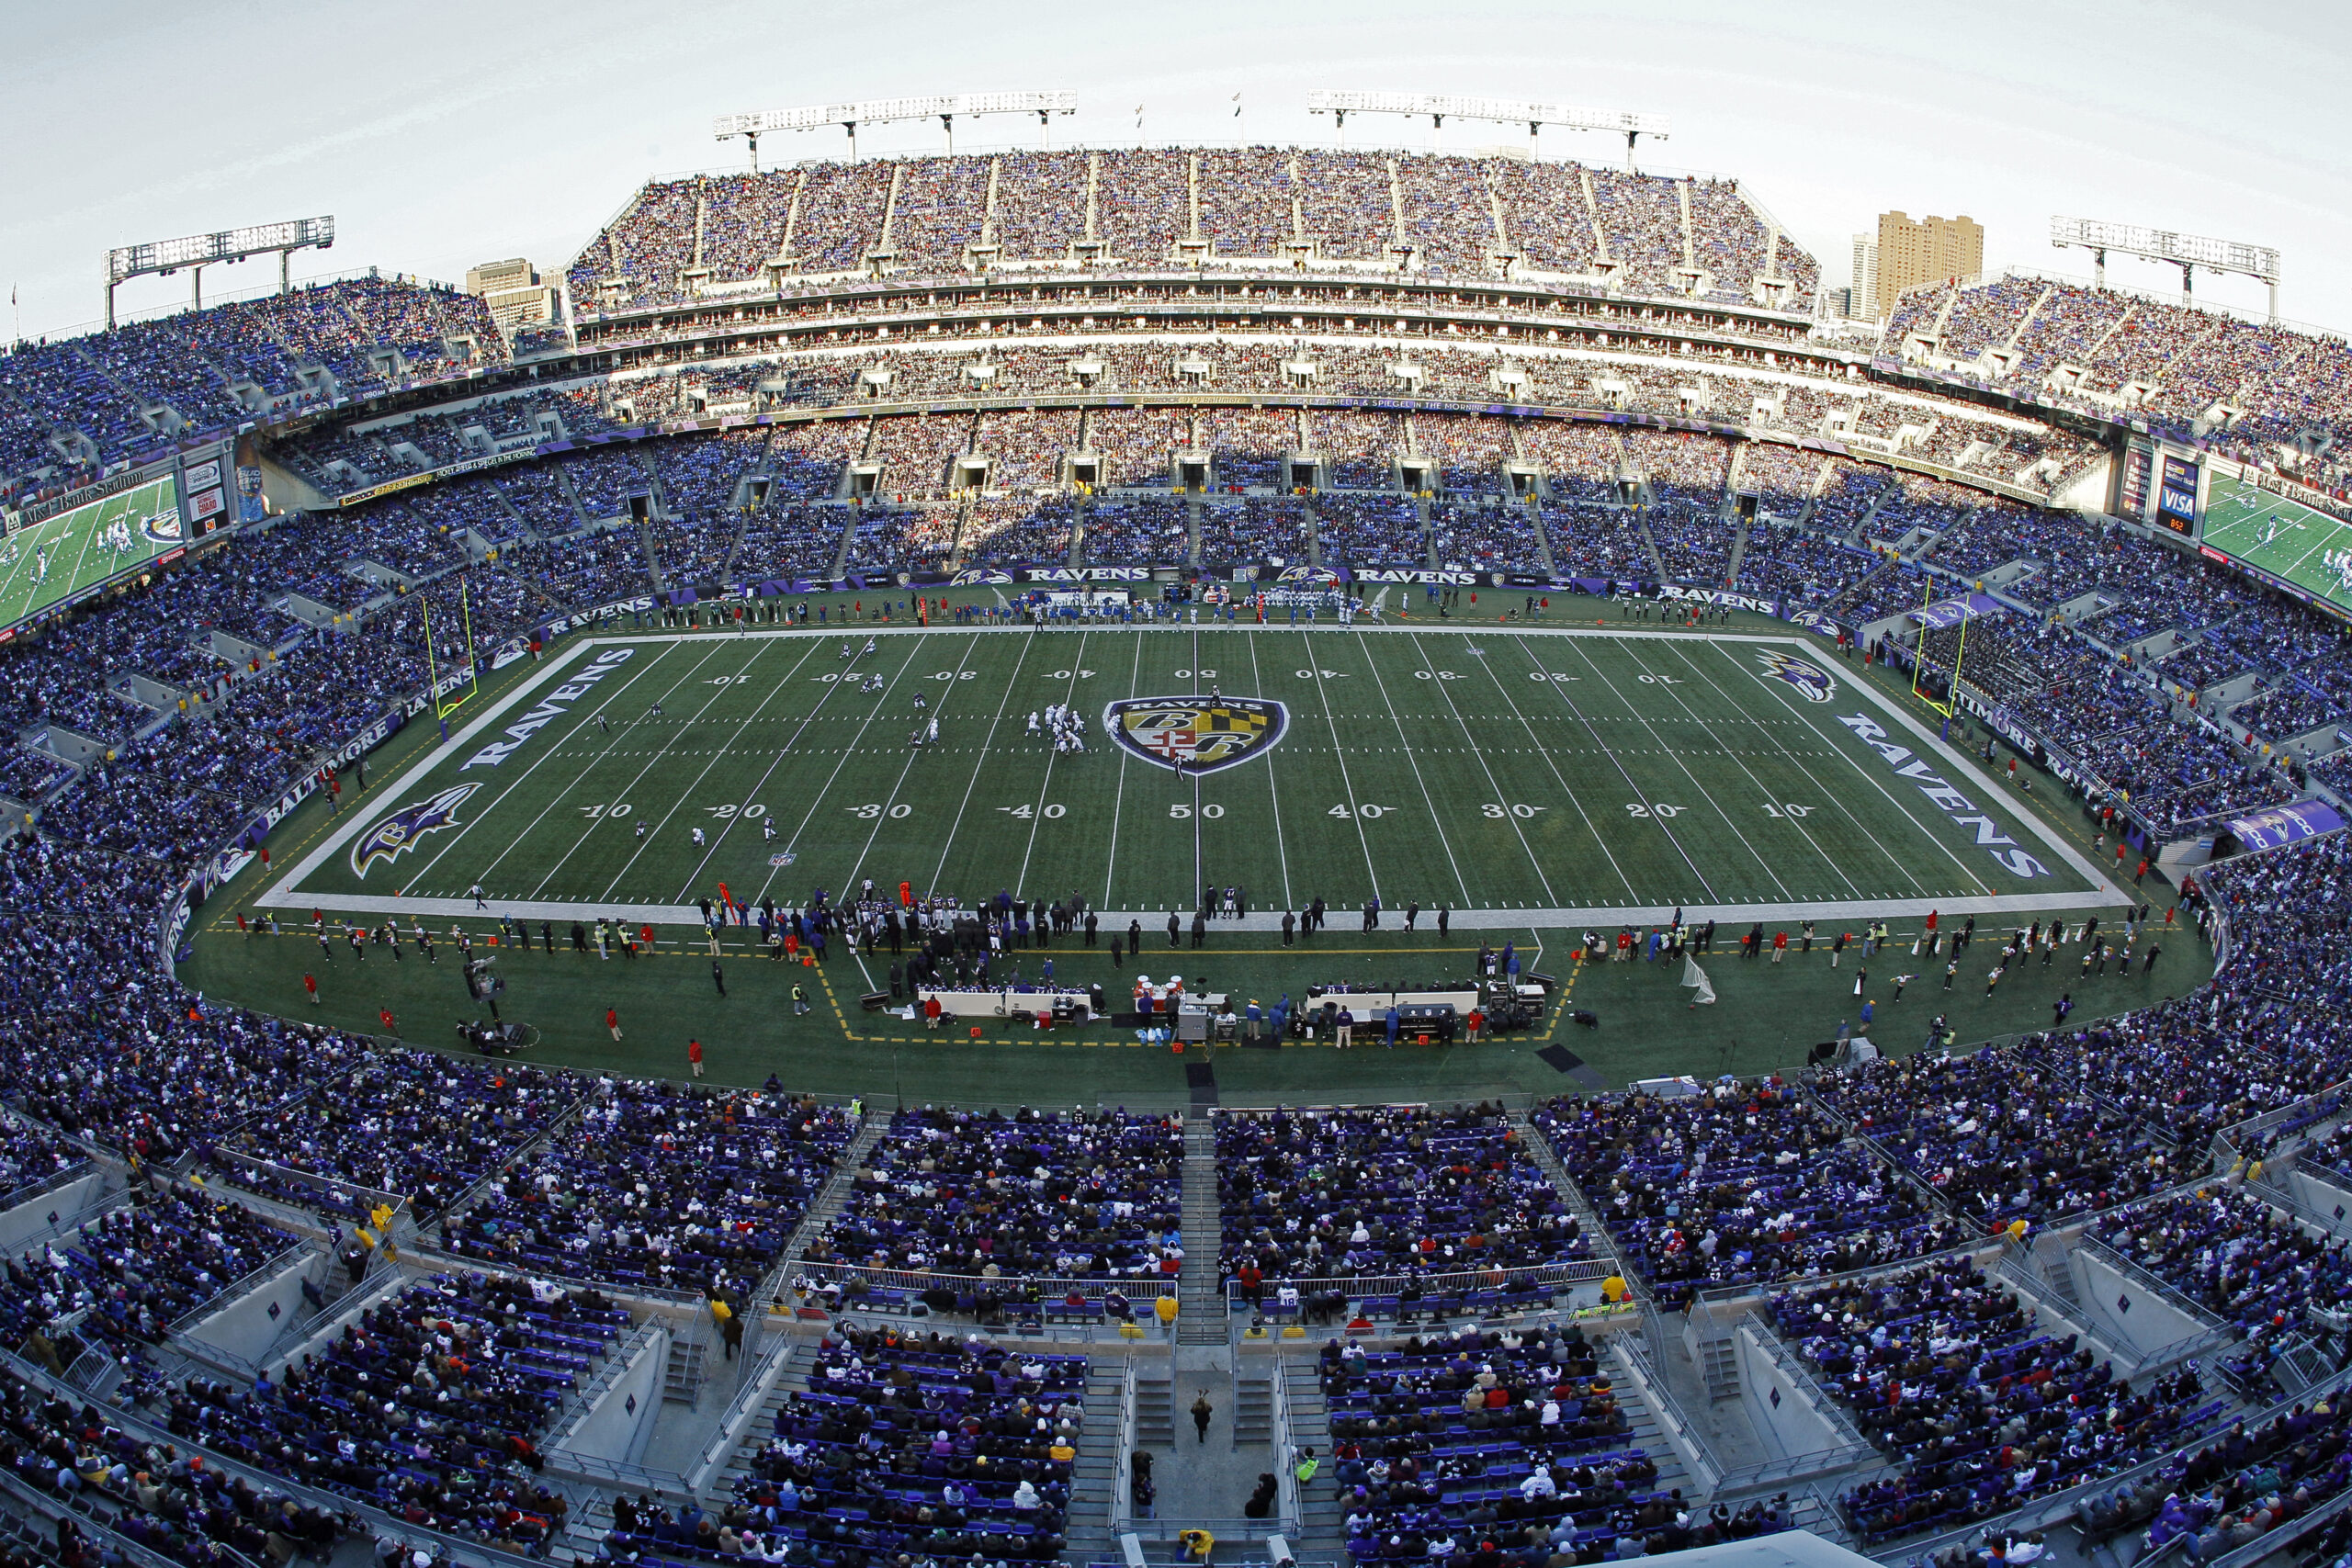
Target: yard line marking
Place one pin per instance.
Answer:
(1037, 819)
(1677, 757)
(1405, 744)
(652, 761)
(417, 876)
(913, 752)
(1340, 754)
(1119, 801)
(1974, 881)
(1606, 750)
(840, 761)
(965, 804)
(716, 752)
(1418, 646)
(1801, 829)
(1799, 762)
(1258, 679)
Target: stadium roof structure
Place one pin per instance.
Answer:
(945, 107)
(197, 252)
(2187, 251)
(1440, 106)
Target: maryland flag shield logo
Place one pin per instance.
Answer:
(397, 834)
(1814, 682)
(1196, 734)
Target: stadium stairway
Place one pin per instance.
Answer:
(1539, 1149)
(1200, 1298)
(1088, 1536)
(1322, 1523)
(761, 1426)
(830, 1200)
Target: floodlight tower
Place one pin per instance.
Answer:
(1437, 106)
(197, 252)
(876, 111)
(2187, 251)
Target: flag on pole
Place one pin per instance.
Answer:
(1704, 990)
(1139, 117)
(1237, 106)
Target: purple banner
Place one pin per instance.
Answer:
(2284, 825)
(1948, 613)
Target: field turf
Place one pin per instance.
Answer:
(1519, 777)
(1364, 730)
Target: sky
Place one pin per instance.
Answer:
(440, 135)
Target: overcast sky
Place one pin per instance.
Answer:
(441, 134)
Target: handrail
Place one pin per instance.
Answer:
(2203, 1316)
(617, 1473)
(1048, 1290)
(1501, 1277)
(1767, 1339)
(212, 1304)
(32, 1190)
(136, 1423)
(1697, 1454)
(727, 1437)
(2042, 1512)
(57, 1507)
(296, 1177)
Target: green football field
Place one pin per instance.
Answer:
(1519, 777)
(2283, 538)
(53, 561)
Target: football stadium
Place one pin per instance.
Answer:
(1410, 809)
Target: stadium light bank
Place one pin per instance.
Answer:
(877, 111)
(197, 252)
(1439, 106)
(2187, 251)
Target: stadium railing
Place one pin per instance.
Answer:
(1463, 1289)
(135, 1422)
(890, 1290)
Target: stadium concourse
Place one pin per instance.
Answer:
(284, 1279)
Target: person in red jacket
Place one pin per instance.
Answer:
(310, 984)
(694, 1056)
